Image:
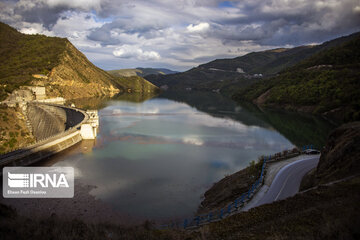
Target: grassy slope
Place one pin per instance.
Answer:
(23, 55)
(325, 88)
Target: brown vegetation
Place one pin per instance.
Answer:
(13, 131)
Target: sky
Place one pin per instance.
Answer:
(181, 34)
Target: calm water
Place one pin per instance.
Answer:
(155, 159)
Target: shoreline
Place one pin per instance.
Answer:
(83, 206)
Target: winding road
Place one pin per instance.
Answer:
(286, 182)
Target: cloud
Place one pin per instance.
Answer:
(128, 51)
(77, 4)
(201, 27)
(190, 32)
(357, 9)
(35, 28)
(193, 140)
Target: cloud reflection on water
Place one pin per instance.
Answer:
(155, 159)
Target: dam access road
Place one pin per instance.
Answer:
(285, 179)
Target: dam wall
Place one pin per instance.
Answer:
(63, 122)
(46, 120)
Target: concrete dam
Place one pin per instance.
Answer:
(48, 120)
(55, 127)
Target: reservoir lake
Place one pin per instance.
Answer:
(154, 159)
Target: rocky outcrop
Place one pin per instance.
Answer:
(339, 158)
(76, 77)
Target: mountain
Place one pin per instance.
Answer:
(327, 83)
(136, 84)
(52, 62)
(128, 72)
(227, 75)
(156, 71)
(165, 71)
(142, 72)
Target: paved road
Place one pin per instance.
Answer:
(287, 181)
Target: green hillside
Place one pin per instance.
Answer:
(328, 82)
(23, 55)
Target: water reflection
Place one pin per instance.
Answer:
(155, 159)
(300, 129)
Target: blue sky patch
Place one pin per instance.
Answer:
(226, 4)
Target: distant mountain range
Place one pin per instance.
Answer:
(321, 79)
(141, 72)
(227, 75)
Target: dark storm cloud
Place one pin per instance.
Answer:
(41, 14)
(315, 21)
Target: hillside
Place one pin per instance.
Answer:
(141, 72)
(229, 75)
(136, 84)
(327, 83)
(54, 63)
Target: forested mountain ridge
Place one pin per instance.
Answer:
(327, 83)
